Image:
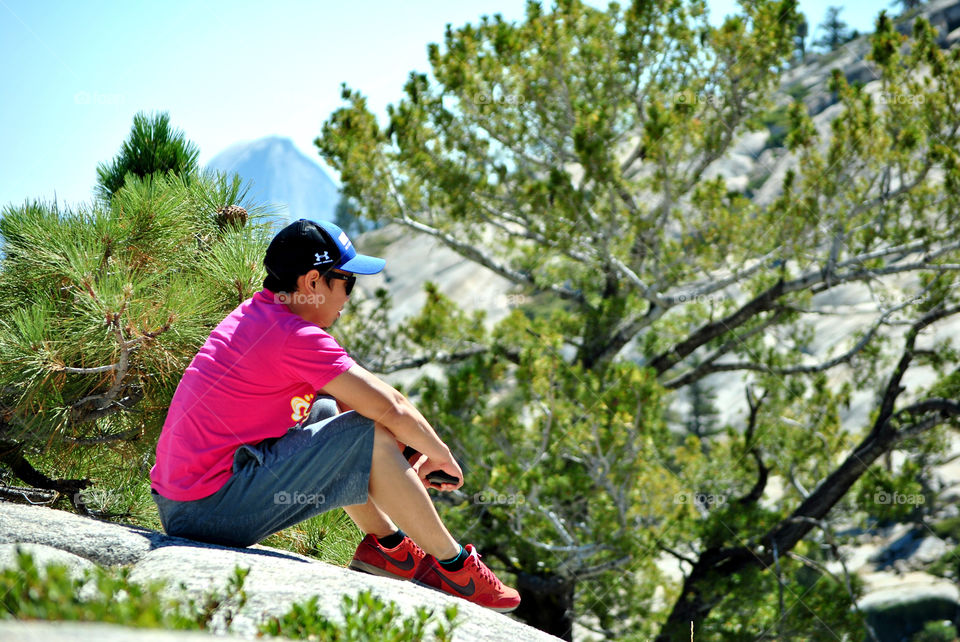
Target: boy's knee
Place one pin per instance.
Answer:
(385, 444)
(383, 439)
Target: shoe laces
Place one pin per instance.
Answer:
(485, 572)
(416, 549)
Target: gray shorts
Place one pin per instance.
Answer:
(319, 465)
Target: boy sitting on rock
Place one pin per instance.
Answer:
(273, 423)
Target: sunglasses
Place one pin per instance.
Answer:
(349, 280)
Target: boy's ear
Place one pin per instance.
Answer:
(304, 280)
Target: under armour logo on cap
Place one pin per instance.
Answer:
(320, 260)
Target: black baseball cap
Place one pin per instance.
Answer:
(305, 245)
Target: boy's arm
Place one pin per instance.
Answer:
(376, 399)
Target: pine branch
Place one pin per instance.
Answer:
(105, 438)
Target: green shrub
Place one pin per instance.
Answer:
(941, 631)
(948, 528)
(365, 618)
(28, 592)
(947, 565)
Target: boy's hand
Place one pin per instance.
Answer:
(424, 465)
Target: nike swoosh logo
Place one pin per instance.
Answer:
(465, 589)
(404, 565)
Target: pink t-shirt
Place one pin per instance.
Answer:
(254, 378)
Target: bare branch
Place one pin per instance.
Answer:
(106, 438)
(715, 285)
(103, 400)
(707, 368)
(704, 368)
(756, 492)
(792, 478)
(27, 495)
(441, 357)
(679, 556)
(761, 303)
(894, 388)
(590, 571)
(96, 370)
(472, 253)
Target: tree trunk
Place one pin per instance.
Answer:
(546, 604)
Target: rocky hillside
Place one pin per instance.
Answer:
(283, 176)
(277, 579)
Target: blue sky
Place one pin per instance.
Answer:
(74, 73)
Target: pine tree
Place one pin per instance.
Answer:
(906, 6)
(101, 309)
(801, 40)
(153, 146)
(836, 31)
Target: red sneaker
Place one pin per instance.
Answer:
(400, 562)
(474, 582)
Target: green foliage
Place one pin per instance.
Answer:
(153, 147)
(815, 605)
(947, 566)
(778, 122)
(948, 528)
(365, 617)
(892, 497)
(942, 631)
(28, 592)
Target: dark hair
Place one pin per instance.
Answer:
(275, 284)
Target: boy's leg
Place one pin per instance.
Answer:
(370, 519)
(396, 489)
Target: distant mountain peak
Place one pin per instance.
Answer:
(282, 175)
